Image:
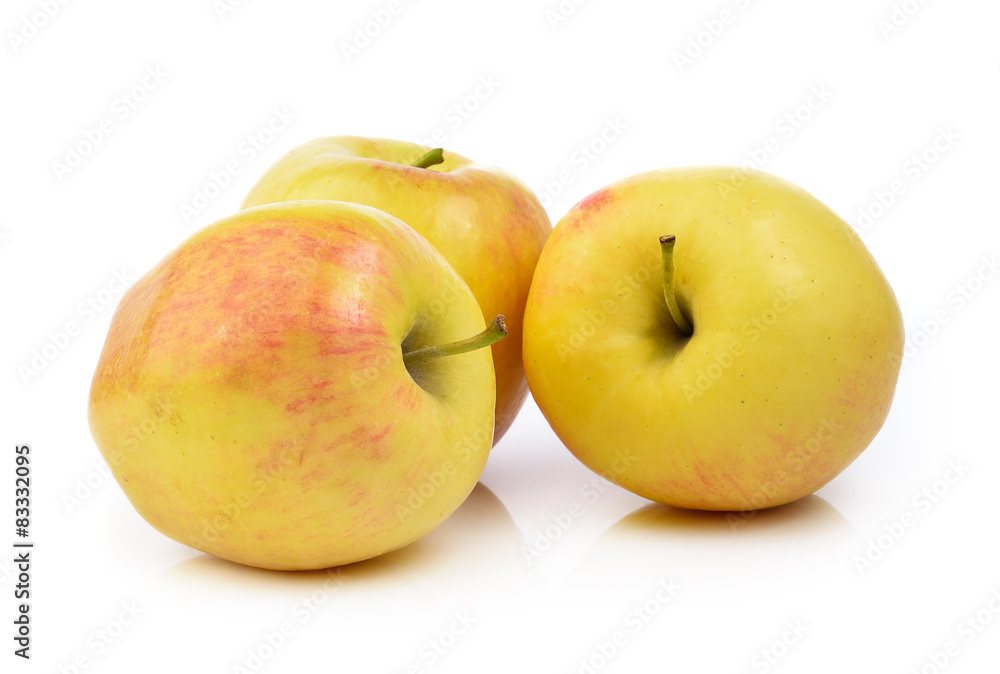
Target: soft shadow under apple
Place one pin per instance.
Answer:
(810, 514)
(807, 541)
(479, 538)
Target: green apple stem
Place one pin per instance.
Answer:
(432, 158)
(494, 332)
(667, 251)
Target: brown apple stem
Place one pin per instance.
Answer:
(494, 332)
(667, 251)
(432, 158)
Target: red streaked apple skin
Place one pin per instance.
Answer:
(251, 398)
(790, 371)
(486, 223)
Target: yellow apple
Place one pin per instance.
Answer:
(711, 338)
(488, 224)
(268, 392)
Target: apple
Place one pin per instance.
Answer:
(711, 338)
(488, 225)
(297, 386)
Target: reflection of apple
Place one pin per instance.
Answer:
(488, 225)
(725, 555)
(281, 363)
(363, 602)
(789, 371)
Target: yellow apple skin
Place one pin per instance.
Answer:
(488, 224)
(789, 372)
(252, 401)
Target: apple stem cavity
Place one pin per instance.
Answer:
(667, 251)
(494, 332)
(432, 158)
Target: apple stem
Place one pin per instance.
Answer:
(494, 332)
(667, 251)
(432, 158)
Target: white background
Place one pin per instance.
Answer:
(556, 86)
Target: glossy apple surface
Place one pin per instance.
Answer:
(253, 403)
(791, 366)
(488, 224)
